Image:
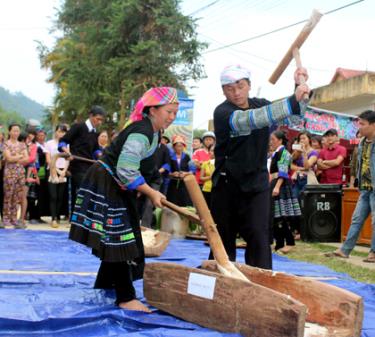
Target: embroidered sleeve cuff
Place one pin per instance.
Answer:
(294, 105)
(298, 108)
(98, 154)
(283, 175)
(167, 167)
(243, 122)
(61, 145)
(135, 183)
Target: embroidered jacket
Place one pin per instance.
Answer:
(242, 140)
(130, 154)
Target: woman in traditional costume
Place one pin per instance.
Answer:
(105, 216)
(284, 204)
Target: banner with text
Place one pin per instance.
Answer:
(318, 121)
(183, 124)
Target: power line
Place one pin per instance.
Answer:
(216, 12)
(203, 8)
(342, 7)
(238, 51)
(272, 5)
(279, 29)
(210, 22)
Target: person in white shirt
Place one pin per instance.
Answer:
(57, 178)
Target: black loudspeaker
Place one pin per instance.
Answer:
(321, 207)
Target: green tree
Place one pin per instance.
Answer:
(9, 117)
(112, 51)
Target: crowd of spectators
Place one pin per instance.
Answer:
(35, 182)
(293, 164)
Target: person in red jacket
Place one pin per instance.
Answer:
(203, 154)
(331, 159)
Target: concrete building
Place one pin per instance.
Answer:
(350, 92)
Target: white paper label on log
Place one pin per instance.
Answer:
(201, 285)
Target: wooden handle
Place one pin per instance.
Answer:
(224, 265)
(301, 38)
(67, 156)
(87, 160)
(182, 211)
(301, 78)
(207, 221)
(297, 58)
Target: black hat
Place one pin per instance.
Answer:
(330, 132)
(166, 138)
(97, 110)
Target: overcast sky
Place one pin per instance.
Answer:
(341, 39)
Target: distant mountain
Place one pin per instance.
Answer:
(24, 106)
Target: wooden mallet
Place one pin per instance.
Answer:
(225, 266)
(293, 51)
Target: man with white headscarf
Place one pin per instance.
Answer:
(240, 195)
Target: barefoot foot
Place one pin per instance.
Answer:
(134, 305)
(286, 249)
(337, 253)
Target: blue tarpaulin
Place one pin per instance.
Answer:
(46, 289)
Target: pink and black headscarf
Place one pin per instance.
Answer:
(154, 97)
